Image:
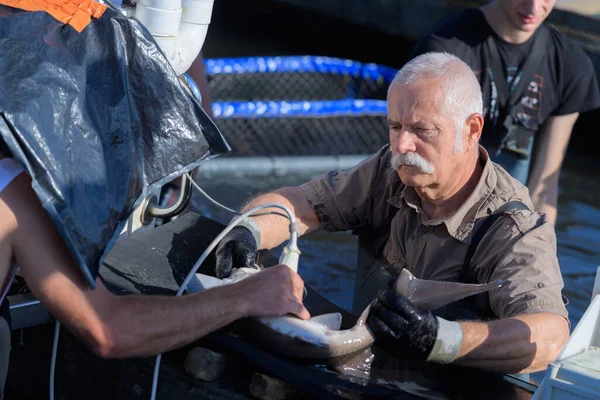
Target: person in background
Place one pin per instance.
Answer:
(561, 85)
(197, 72)
(421, 203)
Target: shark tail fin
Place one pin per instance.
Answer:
(431, 295)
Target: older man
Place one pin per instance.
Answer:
(419, 204)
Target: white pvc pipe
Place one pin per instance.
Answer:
(160, 21)
(189, 42)
(275, 166)
(178, 26)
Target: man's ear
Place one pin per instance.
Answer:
(473, 128)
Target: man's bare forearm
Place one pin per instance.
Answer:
(120, 326)
(164, 323)
(525, 343)
(197, 72)
(545, 171)
(274, 229)
(545, 198)
(548, 207)
(136, 332)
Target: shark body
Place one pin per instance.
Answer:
(319, 339)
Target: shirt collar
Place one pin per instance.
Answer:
(460, 224)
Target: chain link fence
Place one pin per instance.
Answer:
(304, 128)
(296, 78)
(299, 106)
(294, 86)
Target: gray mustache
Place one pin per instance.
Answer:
(412, 160)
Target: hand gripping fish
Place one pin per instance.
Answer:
(319, 339)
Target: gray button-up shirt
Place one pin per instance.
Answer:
(519, 248)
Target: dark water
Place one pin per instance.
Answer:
(578, 231)
(328, 261)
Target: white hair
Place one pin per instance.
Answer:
(460, 88)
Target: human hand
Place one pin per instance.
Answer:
(237, 248)
(402, 330)
(273, 292)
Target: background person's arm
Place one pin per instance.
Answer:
(197, 72)
(128, 326)
(549, 155)
(521, 344)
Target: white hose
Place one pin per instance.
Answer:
(225, 207)
(53, 360)
(213, 244)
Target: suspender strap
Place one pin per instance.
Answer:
(477, 307)
(484, 227)
(509, 97)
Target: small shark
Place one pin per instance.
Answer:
(319, 339)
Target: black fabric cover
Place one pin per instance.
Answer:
(97, 119)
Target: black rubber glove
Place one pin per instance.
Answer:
(237, 249)
(400, 329)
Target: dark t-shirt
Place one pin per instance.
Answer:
(563, 83)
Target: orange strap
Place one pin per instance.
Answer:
(76, 13)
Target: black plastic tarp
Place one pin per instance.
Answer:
(98, 119)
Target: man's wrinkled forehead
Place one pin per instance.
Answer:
(415, 99)
(428, 89)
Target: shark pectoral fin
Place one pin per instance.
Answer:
(431, 295)
(200, 282)
(403, 281)
(332, 321)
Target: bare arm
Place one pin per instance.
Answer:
(126, 326)
(274, 229)
(197, 72)
(543, 180)
(525, 343)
